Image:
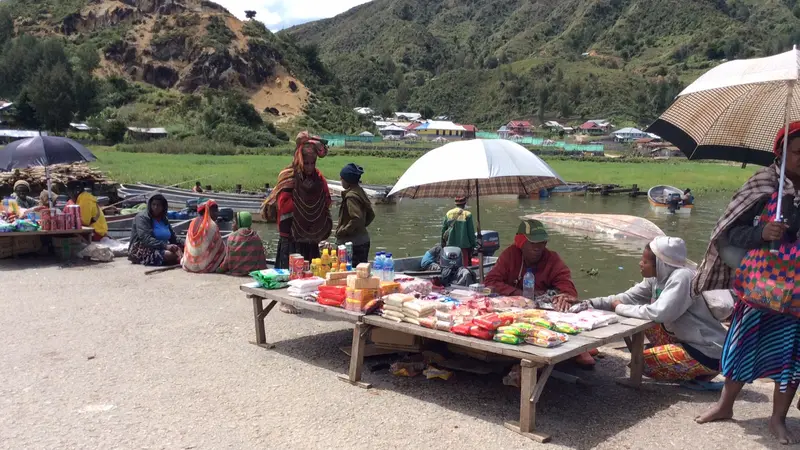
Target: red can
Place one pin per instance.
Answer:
(69, 221)
(75, 211)
(61, 222)
(296, 266)
(46, 221)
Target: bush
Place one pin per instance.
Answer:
(243, 136)
(113, 130)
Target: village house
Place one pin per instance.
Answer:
(470, 131)
(146, 134)
(595, 127)
(407, 116)
(629, 135)
(364, 111)
(440, 128)
(8, 136)
(393, 130)
(520, 128)
(503, 132)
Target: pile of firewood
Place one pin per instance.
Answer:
(60, 174)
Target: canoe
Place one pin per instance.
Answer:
(121, 229)
(411, 266)
(177, 198)
(659, 197)
(615, 226)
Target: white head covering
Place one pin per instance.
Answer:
(670, 255)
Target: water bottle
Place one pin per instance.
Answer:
(528, 285)
(377, 266)
(388, 268)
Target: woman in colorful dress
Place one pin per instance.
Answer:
(244, 251)
(205, 248)
(153, 242)
(300, 204)
(761, 343)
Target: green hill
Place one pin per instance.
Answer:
(487, 61)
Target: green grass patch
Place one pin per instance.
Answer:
(252, 171)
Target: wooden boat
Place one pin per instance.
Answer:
(569, 189)
(660, 200)
(177, 198)
(411, 266)
(121, 229)
(628, 232)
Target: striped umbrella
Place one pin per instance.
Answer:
(473, 168)
(734, 111)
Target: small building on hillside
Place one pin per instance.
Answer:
(520, 127)
(393, 130)
(407, 116)
(8, 136)
(364, 111)
(81, 127)
(440, 128)
(146, 134)
(503, 132)
(629, 135)
(595, 127)
(470, 131)
(553, 126)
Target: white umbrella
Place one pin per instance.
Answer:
(473, 168)
(734, 110)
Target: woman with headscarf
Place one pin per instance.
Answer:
(762, 342)
(205, 248)
(355, 214)
(91, 213)
(686, 343)
(244, 252)
(153, 241)
(300, 204)
(22, 192)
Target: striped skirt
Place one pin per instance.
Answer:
(761, 344)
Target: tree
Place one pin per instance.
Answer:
(113, 130)
(52, 96)
(86, 58)
(402, 96)
(85, 89)
(491, 62)
(24, 112)
(6, 26)
(250, 14)
(427, 112)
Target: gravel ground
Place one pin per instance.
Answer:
(103, 356)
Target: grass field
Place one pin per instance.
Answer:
(252, 171)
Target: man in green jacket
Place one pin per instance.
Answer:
(355, 214)
(458, 230)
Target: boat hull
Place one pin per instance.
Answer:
(658, 195)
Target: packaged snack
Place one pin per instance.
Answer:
(434, 372)
(462, 329)
(480, 333)
(563, 327)
(271, 278)
(538, 321)
(512, 330)
(407, 369)
(508, 339)
(543, 337)
(428, 322)
(525, 328)
(389, 287)
(443, 325)
(493, 321)
(330, 302)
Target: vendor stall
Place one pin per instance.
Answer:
(18, 243)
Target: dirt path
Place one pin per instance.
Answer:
(105, 357)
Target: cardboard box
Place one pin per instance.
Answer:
(337, 276)
(354, 282)
(363, 270)
(363, 295)
(389, 338)
(389, 287)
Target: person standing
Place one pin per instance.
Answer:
(355, 214)
(91, 213)
(458, 230)
(762, 342)
(300, 204)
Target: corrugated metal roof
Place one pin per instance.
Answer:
(21, 133)
(148, 130)
(440, 125)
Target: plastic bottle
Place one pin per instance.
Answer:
(314, 267)
(388, 268)
(334, 261)
(528, 285)
(343, 267)
(326, 263)
(377, 266)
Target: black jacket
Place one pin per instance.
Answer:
(142, 228)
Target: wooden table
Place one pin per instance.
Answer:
(259, 295)
(82, 231)
(532, 359)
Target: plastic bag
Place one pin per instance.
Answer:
(95, 252)
(271, 278)
(507, 339)
(406, 369)
(512, 330)
(434, 372)
(542, 337)
(493, 321)
(326, 301)
(563, 327)
(461, 329)
(480, 333)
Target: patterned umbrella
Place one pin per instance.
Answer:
(734, 110)
(473, 168)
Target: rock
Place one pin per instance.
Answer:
(272, 110)
(293, 86)
(173, 47)
(164, 77)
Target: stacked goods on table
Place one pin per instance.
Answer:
(16, 219)
(361, 288)
(271, 278)
(60, 174)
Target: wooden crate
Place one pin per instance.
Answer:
(14, 246)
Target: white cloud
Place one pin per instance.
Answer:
(279, 14)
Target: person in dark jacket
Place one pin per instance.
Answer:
(153, 241)
(355, 214)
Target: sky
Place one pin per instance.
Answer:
(280, 14)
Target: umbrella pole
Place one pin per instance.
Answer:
(49, 186)
(480, 237)
(779, 211)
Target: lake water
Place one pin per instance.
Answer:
(411, 227)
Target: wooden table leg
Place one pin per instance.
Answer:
(527, 403)
(353, 377)
(636, 347)
(260, 315)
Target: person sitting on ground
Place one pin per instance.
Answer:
(197, 188)
(687, 340)
(91, 213)
(530, 252)
(22, 192)
(244, 250)
(153, 241)
(458, 230)
(205, 248)
(355, 214)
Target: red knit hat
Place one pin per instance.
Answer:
(794, 130)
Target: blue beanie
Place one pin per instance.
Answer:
(351, 173)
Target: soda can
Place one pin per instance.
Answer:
(69, 221)
(46, 220)
(61, 222)
(296, 266)
(75, 211)
(349, 247)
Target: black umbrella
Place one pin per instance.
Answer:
(43, 151)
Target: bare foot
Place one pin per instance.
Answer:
(714, 414)
(778, 429)
(289, 309)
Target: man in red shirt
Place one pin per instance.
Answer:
(530, 252)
